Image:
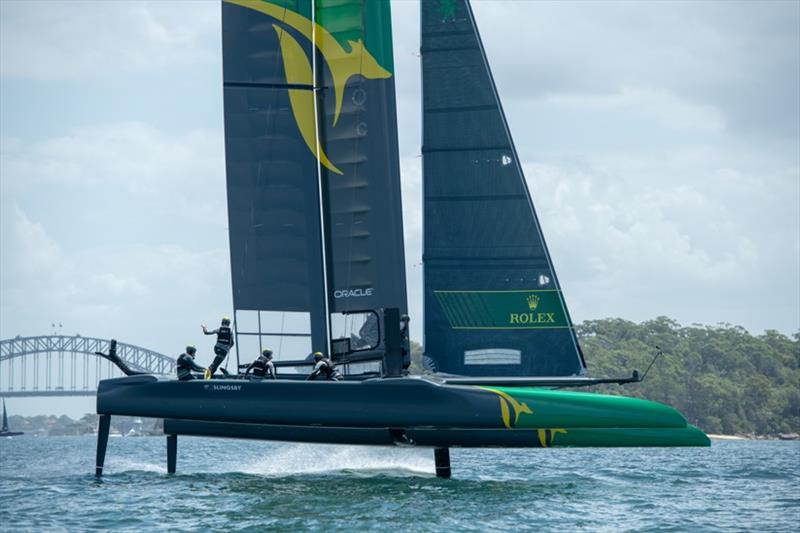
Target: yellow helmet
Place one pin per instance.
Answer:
(318, 355)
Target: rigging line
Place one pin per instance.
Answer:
(658, 354)
(280, 342)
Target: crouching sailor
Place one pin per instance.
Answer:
(224, 343)
(263, 367)
(186, 364)
(324, 367)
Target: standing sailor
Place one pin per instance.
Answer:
(263, 366)
(324, 367)
(405, 342)
(186, 364)
(224, 342)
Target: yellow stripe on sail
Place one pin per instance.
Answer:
(343, 64)
(298, 71)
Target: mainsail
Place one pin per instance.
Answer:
(314, 210)
(4, 428)
(493, 304)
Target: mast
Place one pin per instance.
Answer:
(320, 323)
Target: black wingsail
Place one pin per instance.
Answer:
(272, 178)
(493, 304)
(312, 162)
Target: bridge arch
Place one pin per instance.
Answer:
(27, 364)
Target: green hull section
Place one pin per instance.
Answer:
(580, 419)
(622, 437)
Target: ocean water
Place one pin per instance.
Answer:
(47, 484)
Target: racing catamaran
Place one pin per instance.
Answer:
(316, 234)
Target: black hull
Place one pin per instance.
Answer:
(389, 412)
(375, 403)
(430, 437)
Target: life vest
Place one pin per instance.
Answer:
(184, 365)
(329, 371)
(224, 336)
(260, 366)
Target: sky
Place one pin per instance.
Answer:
(660, 142)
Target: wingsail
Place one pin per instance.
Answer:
(312, 166)
(358, 128)
(493, 304)
(273, 194)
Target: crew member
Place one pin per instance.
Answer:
(186, 364)
(324, 367)
(224, 342)
(263, 366)
(405, 343)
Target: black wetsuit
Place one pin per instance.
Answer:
(262, 367)
(222, 347)
(405, 346)
(324, 367)
(185, 366)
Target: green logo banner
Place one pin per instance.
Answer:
(518, 309)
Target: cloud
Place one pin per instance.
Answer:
(148, 295)
(741, 59)
(666, 108)
(112, 227)
(693, 234)
(53, 40)
(170, 173)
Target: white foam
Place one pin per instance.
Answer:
(127, 465)
(291, 459)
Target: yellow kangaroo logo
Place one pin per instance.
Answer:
(343, 65)
(518, 407)
(547, 436)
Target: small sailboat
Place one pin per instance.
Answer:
(316, 230)
(5, 431)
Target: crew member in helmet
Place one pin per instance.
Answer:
(224, 342)
(263, 367)
(186, 364)
(405, 343)
(324, 367)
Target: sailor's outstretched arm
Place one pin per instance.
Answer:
(196, 367)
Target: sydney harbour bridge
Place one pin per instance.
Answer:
(59, 365)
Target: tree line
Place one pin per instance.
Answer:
(722, 378)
